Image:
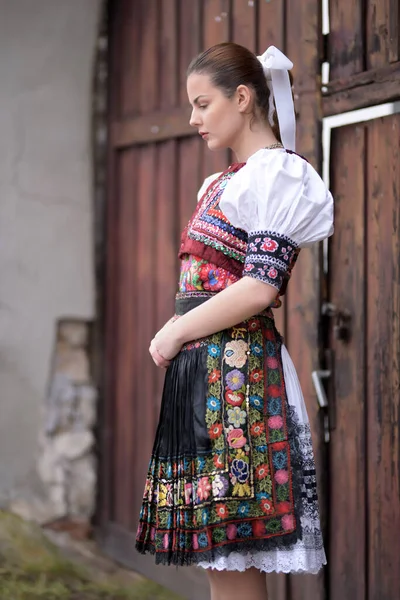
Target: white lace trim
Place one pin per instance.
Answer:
(295, 560)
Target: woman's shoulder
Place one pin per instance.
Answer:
(277, 190)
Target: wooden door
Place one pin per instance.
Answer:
(364, 545)
(156, 164)
(364, 285)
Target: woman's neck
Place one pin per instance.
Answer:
(253, 140)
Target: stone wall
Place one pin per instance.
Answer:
(47, 266)
(67, 464)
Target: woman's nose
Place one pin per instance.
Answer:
(194, 119)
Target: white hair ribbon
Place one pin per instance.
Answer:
(276, 68)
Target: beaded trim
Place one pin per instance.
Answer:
(269, 257)
(210, 226)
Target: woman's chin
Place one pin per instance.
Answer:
(213, 144)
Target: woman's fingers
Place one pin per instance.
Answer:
(156, 356)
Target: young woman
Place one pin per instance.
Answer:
(231, 484)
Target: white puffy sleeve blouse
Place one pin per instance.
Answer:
(282, 203)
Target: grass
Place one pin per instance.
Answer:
(31, 568)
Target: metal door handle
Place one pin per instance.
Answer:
(317, 377)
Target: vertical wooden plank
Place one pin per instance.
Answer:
(382, 32)
(144, 368)
(125, 348)
(147, 86)
(190, 178)
(216, 18)
(168, 55)
(165, 235)
(346, 39)
(111, 279)
(149, 91)
(126, 72)
(383, 358)
(303, 22)
(244, 23)
(166, 206)
(216, 29)
(394, 30)
(347, 550)
(189, 41)
(190, 150)
(271, 25)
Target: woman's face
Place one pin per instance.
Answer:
(217, 118)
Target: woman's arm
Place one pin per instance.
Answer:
(238, 302)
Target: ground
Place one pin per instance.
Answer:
(33, 568)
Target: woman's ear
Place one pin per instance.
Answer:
(244, 98)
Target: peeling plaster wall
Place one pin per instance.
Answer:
(47, 50)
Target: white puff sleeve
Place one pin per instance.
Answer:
(208, 180)
(283, 204)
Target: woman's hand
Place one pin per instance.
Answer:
(165, 345)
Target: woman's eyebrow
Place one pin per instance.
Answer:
(196, 100)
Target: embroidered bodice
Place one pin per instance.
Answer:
(252, 220)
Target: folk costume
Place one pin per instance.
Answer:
(231, 482)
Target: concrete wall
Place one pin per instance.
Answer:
(47, 50)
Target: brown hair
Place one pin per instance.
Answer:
(229, 65)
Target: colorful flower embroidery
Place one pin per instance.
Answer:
(198, 274)
(214, 376)
(242, 486)
(215, 431)
(270, 257)
(213, 403)
(188, 493)
(288, 522)
(257, 402)
(256, 375)
(275, 422)
(221, 510)
(234, 398)
(279, 460)
(243, 509)
(266, 505)
(203, 488)
(214, 350)
(257, 428)
(245, 530)
(219, 486)
(236, 438)
(234, 380)
(235, 353)
(203, 540)
(268, 245)
(281, 476)
(240, 470)
(236, 416)
(218, 461)
(272, 273)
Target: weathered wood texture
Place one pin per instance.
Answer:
(156, 167)
(364, 40)
(365, 89)
(347, 465)
(365, 280)
(383, 357)
(346, 38)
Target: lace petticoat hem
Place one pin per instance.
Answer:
(300, 561)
